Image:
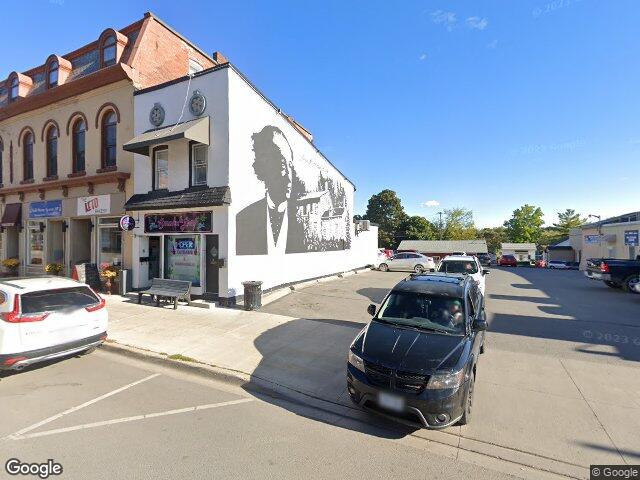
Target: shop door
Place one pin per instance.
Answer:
(154, 257)
(212, 268)
(80, 241)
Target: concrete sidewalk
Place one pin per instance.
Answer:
(554, 413)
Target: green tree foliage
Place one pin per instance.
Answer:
(494, 237)
(386, 210)
(416, 228)
(567, 220)
(525, 226)
(457, 224)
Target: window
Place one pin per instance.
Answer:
(13, 92)
(27, 152)
(1, 165)
(459, 266)
(194, 67)
(110, 238)
(52, 151)
(36, 243)
(53, 74)
(161, 169)
(199, 165)
(109, 121)
(109, 51)
(57, 300)
(79, 128)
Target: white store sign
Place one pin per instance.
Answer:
(94, 205)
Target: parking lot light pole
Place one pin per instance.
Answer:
(599, 217)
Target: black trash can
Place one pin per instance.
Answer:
(252, 295)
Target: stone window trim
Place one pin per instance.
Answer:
(48, 124)
(75, 116)
(23, 132)
(104, 109)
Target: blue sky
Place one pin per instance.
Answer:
(481, 104)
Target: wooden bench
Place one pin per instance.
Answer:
(173, 290)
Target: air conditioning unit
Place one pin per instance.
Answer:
(363, 225)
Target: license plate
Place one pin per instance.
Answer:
(594, 276)
(391, 402)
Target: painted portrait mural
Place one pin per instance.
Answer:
(304, 208)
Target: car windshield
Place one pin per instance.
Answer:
(458, 266)
(428, 312)
(56, 300)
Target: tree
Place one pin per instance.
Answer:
(386, 210)
(567, 220)
(525, 225)
(458, 224)
(416, 228)
(494, 238)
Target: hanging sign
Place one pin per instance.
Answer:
(127, 223)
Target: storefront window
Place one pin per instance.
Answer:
(36, 243)
(110, 241)
(161, 170)
(182, 258)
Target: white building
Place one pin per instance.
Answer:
(227, 189)
(522, 251)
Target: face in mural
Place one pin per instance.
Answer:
(303, 208)
(273, 163)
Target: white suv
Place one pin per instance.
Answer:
(465, 264)
(42, 318)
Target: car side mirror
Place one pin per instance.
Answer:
(479, 325)
(486, 272)
(371, 309)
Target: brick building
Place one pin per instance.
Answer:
(64, 177)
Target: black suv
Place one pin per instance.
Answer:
(416, 359)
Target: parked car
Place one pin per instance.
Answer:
(615, 273)
(42, 318)
(466, 265)
(417, 358)
(485, 259)
(408, 261)
(507, 261)
(558, 265)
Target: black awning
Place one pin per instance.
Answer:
(12, 215)
(188, 198)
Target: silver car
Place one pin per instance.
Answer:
(408, 261)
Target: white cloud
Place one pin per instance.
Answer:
(431, 203)
(448, 19)
(492, 45)
(477, 23)
(423, 57)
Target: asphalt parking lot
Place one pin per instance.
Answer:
(559, 386)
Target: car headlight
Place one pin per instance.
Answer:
(443, 380)
(356, 361)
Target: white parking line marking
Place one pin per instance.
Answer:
(130, 419)
(75, 409)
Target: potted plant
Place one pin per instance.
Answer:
(108, 273)
(54, 268)
(11, 265)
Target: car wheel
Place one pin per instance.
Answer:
(630, 282)
(612, 284)
(418, 269)
(384, 267)
(468, 403)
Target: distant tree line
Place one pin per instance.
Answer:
(526, 224)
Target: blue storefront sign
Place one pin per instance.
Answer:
(49, 208)
(631, 238)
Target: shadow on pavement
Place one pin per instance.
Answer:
(376, 295)
(310, 357)
(633, 455)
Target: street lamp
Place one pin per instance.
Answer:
(599, 231)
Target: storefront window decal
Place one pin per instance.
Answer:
(188, 222)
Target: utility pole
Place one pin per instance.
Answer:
(599, 232)
(440, 225)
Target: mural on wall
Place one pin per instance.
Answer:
(303, 208)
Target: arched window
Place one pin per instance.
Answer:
(79, 129)
(13, 92)
(109, 121)
(52, 151)
(27, 156)
(53, 74)
(109, 51)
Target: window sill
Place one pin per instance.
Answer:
(112, 168)
(27, 181)
(50, 178)
(77, 174)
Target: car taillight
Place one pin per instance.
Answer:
(14, 315)
(92, 308)
(604, 268)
